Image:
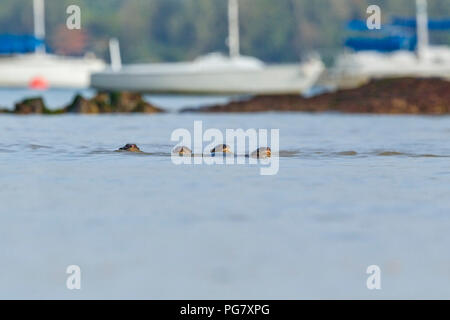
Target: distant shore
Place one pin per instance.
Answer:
(386, 96)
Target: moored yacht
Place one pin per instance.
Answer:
(213, 73)
(406, 52)
(25, 63)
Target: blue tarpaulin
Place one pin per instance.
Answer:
(399, 34)
(443, 24)
(357, 25)
(10, 44)
(436, 25)
(387, 44)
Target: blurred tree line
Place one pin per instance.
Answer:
(172, 30)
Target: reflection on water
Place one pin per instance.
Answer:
(351, 191)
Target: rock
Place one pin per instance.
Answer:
(114, 102)
(387, 96)
(131, 102)
(31, 106)
(124, 101)
(102, 101)
(82, 105)
(145, 107)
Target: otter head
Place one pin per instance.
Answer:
(264, 152)
(182, 151)
(130, 147)
(221, 148)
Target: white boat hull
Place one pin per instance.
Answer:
(353, 69)
(279, 79)
(57, 71)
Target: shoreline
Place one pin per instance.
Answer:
(386, 96)
(424, 96)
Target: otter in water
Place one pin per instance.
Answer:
(182, 151)
(221, 148)
(263, 152)
(130, 147)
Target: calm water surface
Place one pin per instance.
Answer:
(352, 191)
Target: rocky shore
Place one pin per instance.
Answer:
(387, 96)
(111, 102)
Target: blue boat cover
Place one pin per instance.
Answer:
(400, 34)
(11, 44)
(436, 25)
(386, 44)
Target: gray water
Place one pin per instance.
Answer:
(352, 191)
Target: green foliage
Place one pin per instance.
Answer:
(173, 30)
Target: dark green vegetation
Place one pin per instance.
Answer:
(170, 30)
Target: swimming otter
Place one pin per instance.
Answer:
(182, 151)
(264, 152)
(130, 147)
(221, 148)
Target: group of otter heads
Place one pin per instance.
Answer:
(221, 149)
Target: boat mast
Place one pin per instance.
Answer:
(422, 29)
(233, 28)
(39, 23)
(114, 53)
